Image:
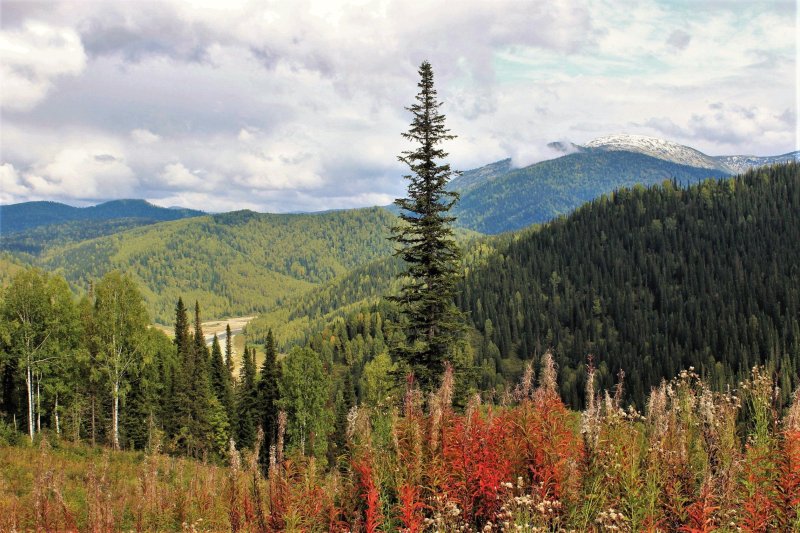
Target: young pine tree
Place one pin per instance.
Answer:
(426, 242)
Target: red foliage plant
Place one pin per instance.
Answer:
(370, 494)
(790, 472)
(475, 464)
(410, 509)
(546, 446)
(701, 513)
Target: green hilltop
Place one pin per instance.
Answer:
(234, 263)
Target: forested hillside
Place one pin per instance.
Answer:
(650, 281)
(647, 281)
(235, 263)
(515, 199)
(303, 315)
(34, 241)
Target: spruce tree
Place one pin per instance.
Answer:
(221, 381)
(181, 338)
(246, 414)
(344, 401)
(268, 392)
(427, 246)
(180, 415)
(229, 351)
(230, 403)
(268, 397)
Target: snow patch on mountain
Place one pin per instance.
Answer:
(658, 148)
(743, 163)
(678, 153)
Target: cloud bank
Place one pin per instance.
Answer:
(285, 106)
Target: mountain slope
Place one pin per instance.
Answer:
(470, 179)
(545, 190)
(234, 263)
(650, 282)
(27, 215)
(35, 240)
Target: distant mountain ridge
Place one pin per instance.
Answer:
(543, 191)
(685, 155)
(28, 215)
(499, 197)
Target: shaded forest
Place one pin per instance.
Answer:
(650, 281)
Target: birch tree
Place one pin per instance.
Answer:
(121, 322)
(42, 326)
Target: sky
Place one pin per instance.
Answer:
(299, 105)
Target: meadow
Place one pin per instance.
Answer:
(695, 461)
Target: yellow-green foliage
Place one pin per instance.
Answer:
(8, 267)
(234, 263)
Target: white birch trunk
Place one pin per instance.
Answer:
(55, 410)
(29, 386)
(115, 415)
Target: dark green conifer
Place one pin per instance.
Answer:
(268, 396)
(344, 401)
(268, 391)
(426, 242)
(180, 398)
(246, 408)
(221, 380)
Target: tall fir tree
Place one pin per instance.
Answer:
(229, 351)
(344, 401)
(221, 381)
(268, 395)
(427, 245)
(180, 414)
(246, 401)
(209, 425)
(182, 335)
(230, 403)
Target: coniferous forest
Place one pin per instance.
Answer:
(649, 282)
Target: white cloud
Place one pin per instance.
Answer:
(32, 57)
(177, 176)
(143, 136)
(11, 187)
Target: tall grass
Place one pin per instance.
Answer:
(695, 461)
